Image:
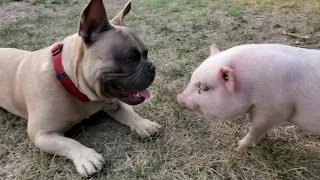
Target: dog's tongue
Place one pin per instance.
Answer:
(145, 93)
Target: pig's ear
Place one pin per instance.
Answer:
(226, 74)
(214, 49)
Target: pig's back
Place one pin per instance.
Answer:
(288, 64)
(277, 63)
(282, 76)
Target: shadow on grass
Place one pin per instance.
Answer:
(98, 130)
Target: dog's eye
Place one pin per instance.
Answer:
(131, 60)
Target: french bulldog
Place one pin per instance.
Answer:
(104, 66)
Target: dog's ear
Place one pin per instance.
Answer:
(118, 19)
(93, 20)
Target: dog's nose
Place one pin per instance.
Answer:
(152, 68)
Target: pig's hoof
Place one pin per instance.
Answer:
(245, 144)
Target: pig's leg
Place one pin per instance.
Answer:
(261, 123)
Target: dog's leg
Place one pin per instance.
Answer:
(86, 160)
(126, 115)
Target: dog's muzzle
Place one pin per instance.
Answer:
(141, 78)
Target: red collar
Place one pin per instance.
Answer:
(62, 75)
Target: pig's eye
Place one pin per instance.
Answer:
(205, 87)
(202, 87)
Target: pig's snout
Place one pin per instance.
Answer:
(181, 100)
(184, 101)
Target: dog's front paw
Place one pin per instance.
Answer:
(146, 128)
(88, 162)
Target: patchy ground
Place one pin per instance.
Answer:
(178, 33)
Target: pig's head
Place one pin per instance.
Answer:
(212, 89)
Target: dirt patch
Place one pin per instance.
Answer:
(26, 9)
(18, 10)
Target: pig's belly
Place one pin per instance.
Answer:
(307, 120)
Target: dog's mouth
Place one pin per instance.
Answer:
(131, 97)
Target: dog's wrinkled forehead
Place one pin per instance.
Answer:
(124, 41)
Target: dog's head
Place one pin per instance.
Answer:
(115, 61)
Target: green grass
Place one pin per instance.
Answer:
(38, 38)
(178, 34)
(234, 9)
(159, 3)
(6, 1)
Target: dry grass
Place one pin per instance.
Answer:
(178, 33)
